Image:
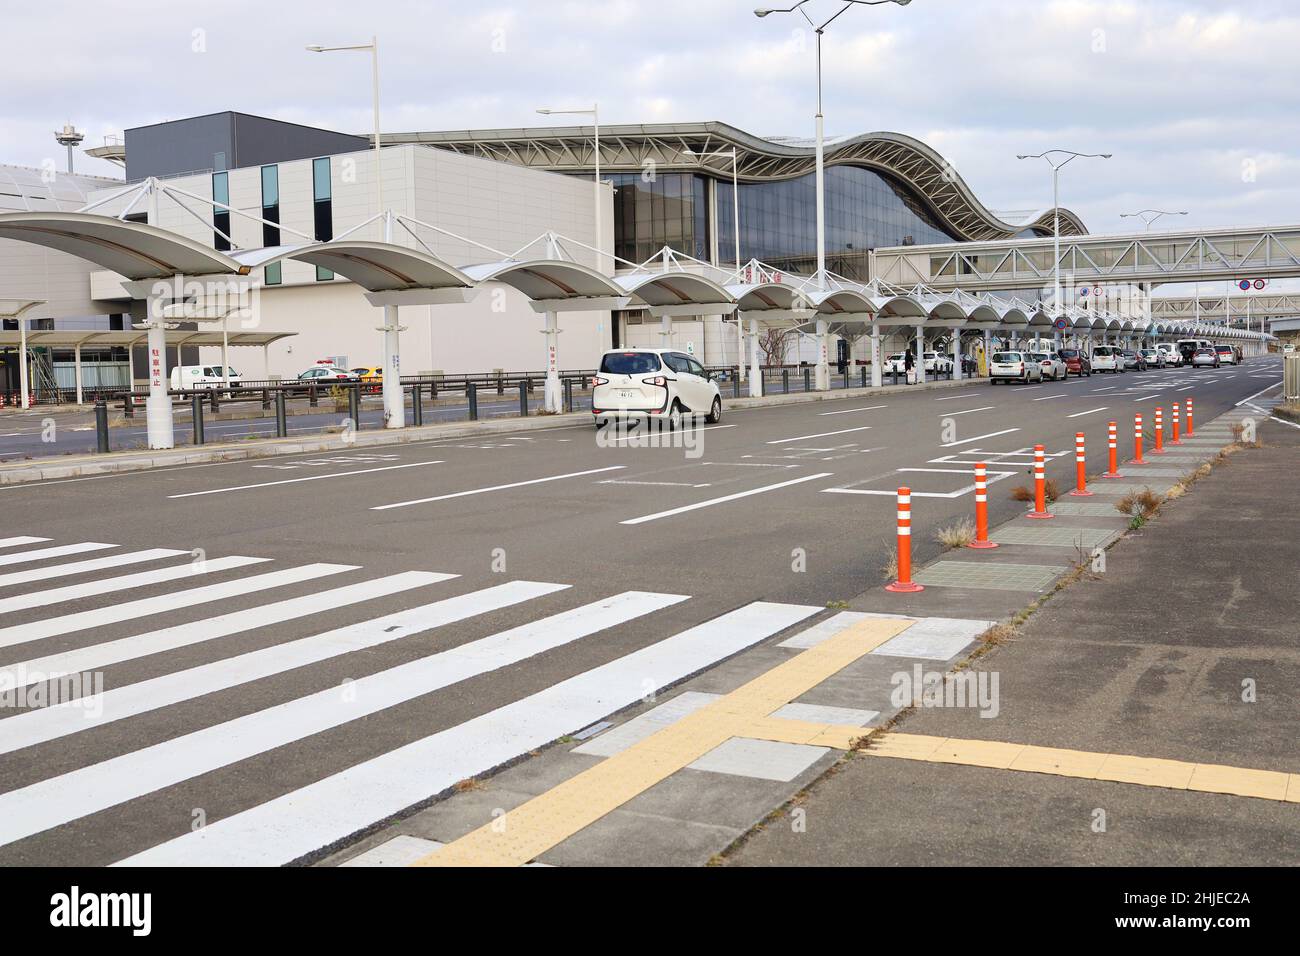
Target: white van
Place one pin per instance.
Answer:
(187, 377)
(1108, 358)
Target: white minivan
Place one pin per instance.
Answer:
(187, 377)
(653, 383)
(1108, 358)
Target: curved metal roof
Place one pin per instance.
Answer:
(375, 266)
(131, 249)
(675, 289)
(628, 148)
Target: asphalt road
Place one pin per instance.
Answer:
(754, 510)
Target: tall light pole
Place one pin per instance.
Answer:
(594, 112)
(1148, 216)
(823, 367)
(373, 47)
(1057, 159)
(735, 225)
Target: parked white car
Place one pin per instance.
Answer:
(661, 384)
(1108, 358)
(936, 364)
(188, 377)
(1173, 357)
(895, 363)
(1053, 367)
(1227, 354)
(1014, 367)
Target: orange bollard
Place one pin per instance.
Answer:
(904, 583)
(1113, 443)
(1160, 431)
(1190, 423)
(1040, 486)
(1081, 468)
(981, 541)
(1175, 440)
(1137, 440)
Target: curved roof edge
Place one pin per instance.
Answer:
(625, 148)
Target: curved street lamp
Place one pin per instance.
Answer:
(1057, 159)
(1148, 216)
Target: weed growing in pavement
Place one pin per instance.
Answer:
(1140, 505)
(956, 535)
(1022, 493)
(890, 567)
(1051, 491)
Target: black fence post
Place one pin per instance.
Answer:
(863, 370)
(417, 404)
(128, 405)
(354, 406)
(471, 393)
(216, 400)
(807, 379)
(568, 394)
(196, 417)
(785, 380)
(266, 399)
(281, 419)
(523, 398)
(312, 398)
(735, 383)
(101, 425)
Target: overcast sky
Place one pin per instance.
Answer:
(1197, 100)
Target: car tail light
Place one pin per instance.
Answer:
(599, 381)
(658, 380)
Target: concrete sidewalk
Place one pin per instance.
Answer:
(1185, 649)
(80, 466)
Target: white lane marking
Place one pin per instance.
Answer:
(1145, 397)
(1048, 398)
(656, 484)
(101, 617)
(297, 823)
(1185, 388)
(842, 431)
(74, 592)
(993, 477)
(97, 656)
(37, 726)
(723, 500)
(969, 411)
(967, 441)
(75, 794)
(847, 411)
(19, 541)
(1106, 389)
(638, 437)
(1284, 421)
(953, 398)
(84, 567)
(1091, 411)
(1259, 393)
(292, 481)
(57, 552)
(483, 491)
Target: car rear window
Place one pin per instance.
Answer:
(1005, 357)
(629, 363)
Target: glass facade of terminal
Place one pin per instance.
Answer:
(778, 219)
(864, 209)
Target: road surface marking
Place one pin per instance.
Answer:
(969, 411)
(547, 820)
(1259, 393)
(842, 431)
(292, 481)
(35, 727)
(102, 617)
(1048, 398)
(723, 500)
(847, 411)
(57, 552)
(77, 793)
(75, 592)
(19, 541)
(288, 827)
(483, 491)
(953, 398)
(967, 441)
(1146, 397)
(1091, 411)
(82, 567)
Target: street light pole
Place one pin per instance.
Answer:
(373, 47)
(1052, 156)
(1148, 216)
(823, 359)
(594, 112)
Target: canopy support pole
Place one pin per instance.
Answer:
(394, 404)
(956, 355)
(877, 376)
(755, 371)
(920, 355)
(823, 356)
(76, 363)
(551, 394)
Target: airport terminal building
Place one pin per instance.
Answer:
(477, 196)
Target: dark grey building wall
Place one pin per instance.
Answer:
(227, 141)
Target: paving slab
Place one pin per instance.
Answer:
(1051, 534)
(763, 759)
(999, 577)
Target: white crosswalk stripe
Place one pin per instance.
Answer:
(19, 541)
(60, 551)
(109, 774)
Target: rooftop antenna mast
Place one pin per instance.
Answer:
(69, 136)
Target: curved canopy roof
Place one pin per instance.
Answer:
(131, 249)
(123, 338)
(547, 279)
(670, 289)
(375, 266)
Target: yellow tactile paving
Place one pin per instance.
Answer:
(1264, 784)
(1062, 763)
(1293, 789)
(1148, 771)
(529, 830)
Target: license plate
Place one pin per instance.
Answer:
(627, 393)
